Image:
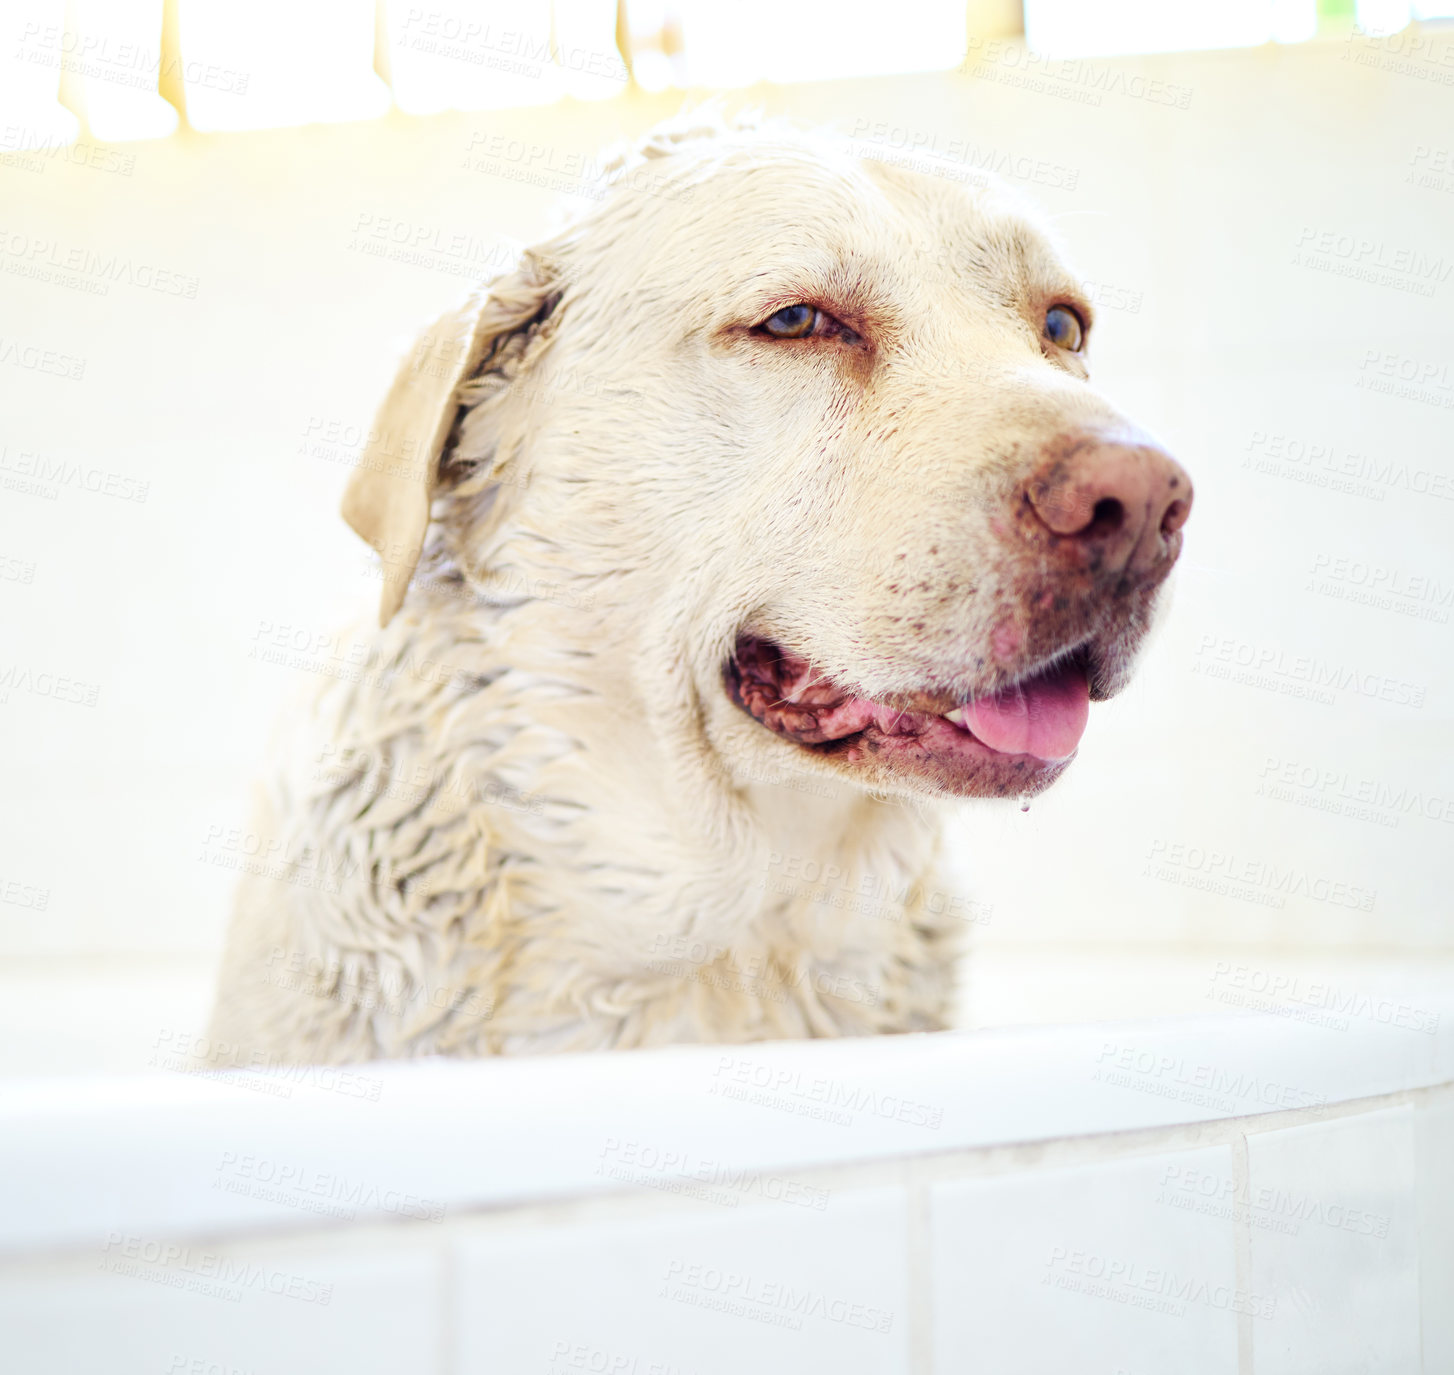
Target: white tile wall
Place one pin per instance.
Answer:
(725, 1291)
(1127, 1264)
(577, 1226)
(1204, 340)
(341, 1308)
(1339, 1248)
(1098, 1269)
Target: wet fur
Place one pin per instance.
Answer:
(537, 821)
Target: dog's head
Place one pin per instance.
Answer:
(812, 440)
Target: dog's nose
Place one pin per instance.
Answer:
(1121, 503)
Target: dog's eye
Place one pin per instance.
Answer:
(1064, 329)
(793, 322)
(802, 321)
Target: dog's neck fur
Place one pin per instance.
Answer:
(500, 887)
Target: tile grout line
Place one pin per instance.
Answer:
(448, 1360)
(919, 1272)
(1242, 1247)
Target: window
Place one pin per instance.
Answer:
(123, 69)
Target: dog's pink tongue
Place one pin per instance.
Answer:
(1045, 716)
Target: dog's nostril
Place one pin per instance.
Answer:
(1114, 505)
(1106, 517)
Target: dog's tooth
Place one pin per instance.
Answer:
(957, 716)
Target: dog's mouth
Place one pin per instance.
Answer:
(1016, 740)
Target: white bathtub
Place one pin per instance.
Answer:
(1214, 1194)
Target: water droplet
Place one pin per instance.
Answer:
(1024, 803)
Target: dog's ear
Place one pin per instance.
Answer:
(387, 500)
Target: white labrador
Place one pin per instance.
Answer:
(750, 515)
